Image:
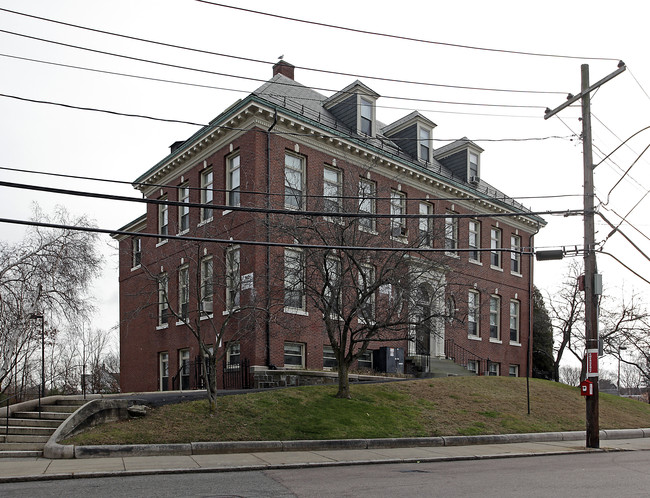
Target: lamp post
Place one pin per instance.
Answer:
(41, 391)
(618, 382)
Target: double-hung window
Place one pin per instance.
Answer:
(425, 144)
(293, 181)
(495, 318)
(184, 208)
(366, 293)
(294, 355)
(294, 283)
(233, 354)
(474, 240)
(183, 292)
(451, 233)
(365, 117)
(367, 199)
(473, 165)
(163, 301)
(234, 181)
(329, 359)
(233, 278)
(425, 224)
(332, 281)
(495, 246)
(397, 210)
(163, 367)
(332, 189)
(163, 219)
(493, 369)
(473, 303)
(184, 370)
(207, 194)
(136, 252)
(514, 321)
(515, 254)
(207, 289)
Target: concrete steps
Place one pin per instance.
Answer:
(28, 429)
(447, 368)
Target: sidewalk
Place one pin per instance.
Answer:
(29, 469)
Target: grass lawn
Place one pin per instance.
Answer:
(429, 407)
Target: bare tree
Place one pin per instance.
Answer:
(366, 295)
(48, 275)
(570, 375)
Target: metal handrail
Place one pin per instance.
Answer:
(455, 351)
(6, 400)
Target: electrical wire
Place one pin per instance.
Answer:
(291, 212)
(625, 266)
(251, 192)
(626, 172)
(248, 59)
(406, 38)
(637, 82)
(216, 73)
(616, 229)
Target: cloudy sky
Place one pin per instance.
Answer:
(535, 160)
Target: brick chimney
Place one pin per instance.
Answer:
(284, 68)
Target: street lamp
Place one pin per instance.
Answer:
(41, 391)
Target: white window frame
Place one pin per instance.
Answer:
(233, 181)
(515, 321)
(233, 350)
(366, 121)
(163, 301)
(424, 143)
(184, 292)
(473, 315)
(470, 169)
(163, 370)
(472, 366)
(425, 225)
(136, 252)
(474, 241)
(495, 318)
(397, 211)
(207, 194)
(207, 285)
(365, 360)
(451, 234)
(515, 254)
(233, 278)
(494, 369)
(298, 351)
(329, 357)
(366, 279)
(332, 190)
(367, 204)
(163, 219)
(496, 236)
(183, 209)
(183, 367)
(513, 371)
(294, 181)
(332, 274)
(294, 279)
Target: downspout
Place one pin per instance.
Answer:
(530, 315)
(267, 324)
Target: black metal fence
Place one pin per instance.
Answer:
(237, 375)
(464, 357)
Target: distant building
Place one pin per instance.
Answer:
(286, 146)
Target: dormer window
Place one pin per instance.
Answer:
(365, 117)
(473, 165)
(424, 149)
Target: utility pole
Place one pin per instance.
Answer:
(593, 286)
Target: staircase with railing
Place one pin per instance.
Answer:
(466, 358)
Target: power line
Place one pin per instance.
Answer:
(291, 212)
(617, 229)
(406, 38)
(251, 192)
(188, 68)
(637, 82)
(248, 59)
(626, 172)
(230, 241)
(624, 266)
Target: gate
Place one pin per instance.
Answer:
(237, 375)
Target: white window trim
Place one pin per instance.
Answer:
(496, 339)
(398, 209)
(478, 163)
(517, 342)
(185, 186)
(371, 197)
(229, 187)
(302, 181)
(454, 224)
(337, 199)
(362, 99)
(303, 349)
(428, 144)
(205, 188)
(474, 312)
(478, 241)
(499, 246)
(516, 252)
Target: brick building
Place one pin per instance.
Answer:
(212, 252)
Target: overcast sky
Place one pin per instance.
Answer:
(543, 174)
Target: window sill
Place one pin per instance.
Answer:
(371, 231)
(226, 211)
(136, 267)
(497, 268)
(206, 317)
(162, 327)
(452, 254)
(496, 341)
(181, 322)
(205, 222)
(516, 344)
(162, 242)
(230, 311)
(293, 367)
(474, 338)
(401, 240)
(475, 262)
(295, 311)
(183, 232)
(515, 274)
